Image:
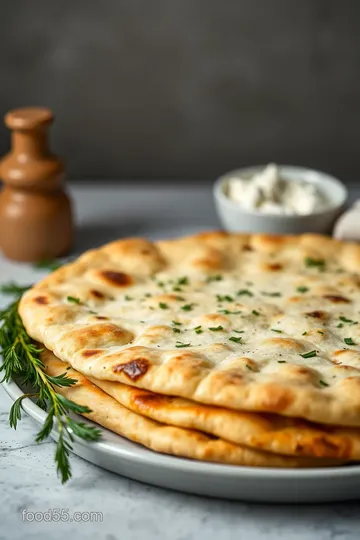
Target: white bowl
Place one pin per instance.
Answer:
(238, 219)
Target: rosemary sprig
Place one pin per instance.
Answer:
(48, 264)
(21, 359)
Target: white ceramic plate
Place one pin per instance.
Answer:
(247, 483)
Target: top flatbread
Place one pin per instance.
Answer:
(255, 322)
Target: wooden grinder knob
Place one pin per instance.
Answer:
(35, 212)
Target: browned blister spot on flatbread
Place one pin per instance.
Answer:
(101, 318)
(41, 300)
(323, 445)
(318, 314)
(134, 369)
(87, 353)
(337, 299)
(100, 334)
(116, 279)
(288, 344)
(275, 399)
(97, 294)
(272, 266)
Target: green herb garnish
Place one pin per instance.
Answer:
(21, 360)
(323, 383)
(235, 339)
(198, 330)
(302, 289)
(310, 262)
(273, 294)
(281, 361)
(177, 323)
(216, 328)
(73, 299)
(183, 281)
(216, 277)
(228, 312)
(128, 298)
(13, 288)
(244, 292)
(48, 264)
(176, 330)
(276, 330)
(188, 307)
(310, 354)
(349, 341)
(256, 313)
(162, 305)
(180, 345)
(349, 321)
(224, 298)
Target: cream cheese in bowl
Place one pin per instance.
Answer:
(278, 199)
(269, 192)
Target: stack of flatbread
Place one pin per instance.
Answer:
(238, 349)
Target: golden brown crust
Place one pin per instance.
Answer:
(168, 439)
(301, 288)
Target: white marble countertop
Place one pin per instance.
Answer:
(131, 510)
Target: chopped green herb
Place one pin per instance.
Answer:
(127, 297)
(162, 305)
(249, 367)
(256, 313)
(309, 354)
(73, 299)
(160, 284)
(198, 330)
(349, 341)
(349, 321)
(244, 292)
(177, 289)
(320, 332)
(216, 277)
(315, 263)
(302, 289)
(148, 295)
(48, 264)
(239, 331)
(176, 330)
(183, 281)
(177, 323)
(273, 294)
(340, 325)
(304, 334)
(323, 383)
(228, 312)
(276, 330)
(180, 298)
(225, 298)
(180, 345)
(216, 328)
(235, 339)
(281, 361)
(188, 307)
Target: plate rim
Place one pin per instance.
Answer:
(180, 464)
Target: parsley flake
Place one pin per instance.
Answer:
(216, 328)
(180, 345)
(310, 262)
(276, 330)
(235, 339)
(188, 307)
(225, 298)
(244, 292)
(309, 354)
(256, 313)
(216, 277)
(198, 329)
(162, 305)
(176, 323)
(349, 321)
(183, 281)
(272, 294)
(323, 383)
(281, 361)
(74, 300)
(228, 312)
(302, 289)
(349, 341)
(176, 330)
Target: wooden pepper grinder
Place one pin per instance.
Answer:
(35, 212)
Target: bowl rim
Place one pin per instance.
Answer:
(220, 195)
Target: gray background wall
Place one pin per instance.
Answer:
(187, 88)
